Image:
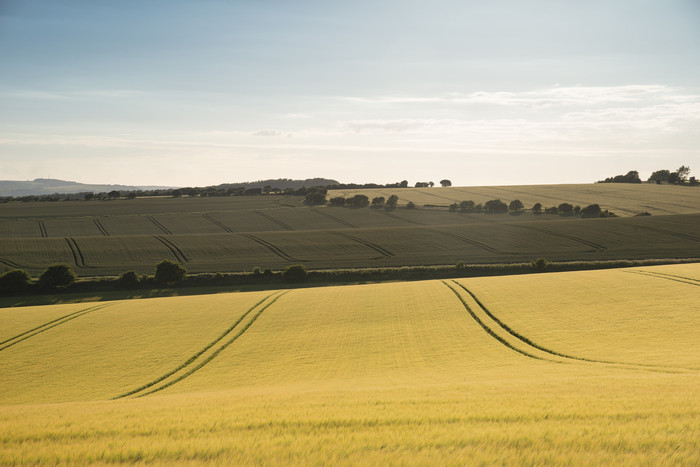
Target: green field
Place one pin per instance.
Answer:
(235, 234)
(584, 367)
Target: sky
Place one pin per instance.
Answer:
(179, 93)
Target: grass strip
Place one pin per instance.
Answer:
(49, 325)
(198, 354)
(218, 351)
(490, 331)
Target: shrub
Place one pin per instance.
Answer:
(496, 206)
(295, 273)
(460, 266)
(391, 202)
(565, 209)
(466, 206)
(378, 202)
(357, 201)
(645, 213)
(15, 281)
(58, 275)
(257, 271)
(516, 205)
(540, 264)
(129, 280)
(453, 207)
(552, 210)
(592, 210)
(315, 197)
(337, 201)
(537, 208)
(168, 272)
(410, 205)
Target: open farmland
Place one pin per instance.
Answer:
(234, 234)
(580, 367)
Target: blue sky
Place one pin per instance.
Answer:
(200, 93)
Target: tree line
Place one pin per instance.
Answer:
(680, 176)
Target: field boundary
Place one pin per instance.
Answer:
(149, 387)
(51, 324)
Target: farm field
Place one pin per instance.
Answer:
(582, 367)
(235, 234)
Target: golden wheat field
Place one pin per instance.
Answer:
(591, 367)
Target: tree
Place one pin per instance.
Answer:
(516, 205)
(674, 178)
(295, 273)
(315, 197)
(114, 194)
(357, 201)
(659, 176)
(57, 275)
(337, 201)
(592, 210)
(15, 281)
(129, 280)
(431, 184)
(495, 206)
(540, 264)
(453, 207)
(378, 202)
(552, 210)
(466, 206)
(445, 183)
(168, 272)
(392, 201)
(410, 205)
(537, 208)
(403, 184)
(566, 209)
(630, 177)
(422, 184)
(683, 172)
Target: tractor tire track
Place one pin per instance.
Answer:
(174, 249)
(78, 257)
(11, 264)
(670, 232)
(159, 225)
(409, 221)
(332, 217)
(472, 242)
(379, 249)
(223, 226)
(276, 250)
(198, 354)
(668, 277)
(554, 353)
(42, 229)
(276, 221)
(596, 246)
(217, 351)
(101, 227)
(49, 325)
(489, 331)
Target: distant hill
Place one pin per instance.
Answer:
(47, 186)
(280, 183)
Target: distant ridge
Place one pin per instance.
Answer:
(50, 186)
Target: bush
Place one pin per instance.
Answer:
(168, 272)
(453, 207)
(15, 281)
(466, 206)
(460, 266)
(337, 201)
(516, 205)
(295, 273)
(537, 208)
(129, 280)
(315, 197)
(391, 202)
(257, 271)
(357, 201)
(496, 206)
(58, 275)
(540, 264)
(592, 210)
(565, 209)
(410, 205)
(378, 202)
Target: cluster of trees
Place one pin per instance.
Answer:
(60, 277)
(679, 177)
(496, 206)
(361, 201)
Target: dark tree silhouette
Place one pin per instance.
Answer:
(516, 205)
(58, 275)
(445, 182)
(168, 272)
(495, 206)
